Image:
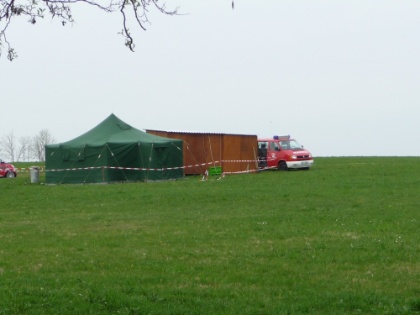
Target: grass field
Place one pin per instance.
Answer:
(341, 238)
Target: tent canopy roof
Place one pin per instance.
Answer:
(113, 130)
(114, 151)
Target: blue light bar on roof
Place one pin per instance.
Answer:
(281, 137)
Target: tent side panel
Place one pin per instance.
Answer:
(53, 162)
(122, 161)
(74, 165)
(162, 160)
(175, 161)
(169, 159)
(145, 161)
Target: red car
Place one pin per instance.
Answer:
(7, 170)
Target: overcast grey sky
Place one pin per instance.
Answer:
(342, 77)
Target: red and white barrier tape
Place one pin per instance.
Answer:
(240, 172)
(239, 161)
(130, 168)
(27, 169)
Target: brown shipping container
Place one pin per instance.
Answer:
(234, 153)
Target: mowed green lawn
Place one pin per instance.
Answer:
(341, 238)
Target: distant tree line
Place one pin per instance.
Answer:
(25, 148)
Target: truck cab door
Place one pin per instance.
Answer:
(262, 154)
(273, 154)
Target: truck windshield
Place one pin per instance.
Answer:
(290, 145)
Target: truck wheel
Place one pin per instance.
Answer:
(10, 175)
(283, 166)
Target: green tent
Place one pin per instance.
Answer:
(113, 151)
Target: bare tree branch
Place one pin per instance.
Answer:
(43, 138)
(132, 12)
(24, 150)
(8, 145)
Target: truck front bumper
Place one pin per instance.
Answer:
(300, 164)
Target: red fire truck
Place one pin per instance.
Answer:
(283, 153)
